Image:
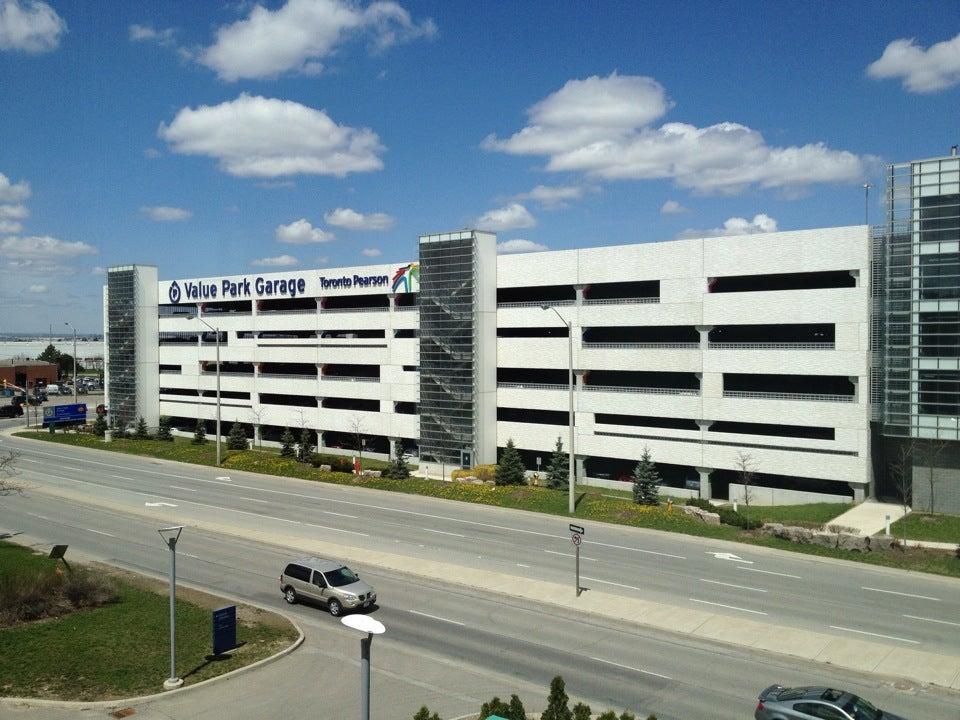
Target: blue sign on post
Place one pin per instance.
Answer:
(65, 414)
(224, 629)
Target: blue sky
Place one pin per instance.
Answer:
(204, 137)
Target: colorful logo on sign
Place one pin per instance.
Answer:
(407, 278)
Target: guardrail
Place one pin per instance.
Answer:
(226, 313)
(771, 346)
(533, 303)
(644, 346)
(170, 372)
(621, 301)
(642, 390)
(356, 309)
(533, 386)
(812, 397)
(287, 376)
(228, 373)
(288, 311)
(349, 378)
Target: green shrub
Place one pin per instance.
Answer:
(511, 711)
(141, 433)
(582, 712)
(701, 503)
(729, 516)
(100, 426)
(83, 589)
(163, 430)
(398, 469)
(237, 439)
(424, 714)
(481, 472)
(200, 433)
(337, 463)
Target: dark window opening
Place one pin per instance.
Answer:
(794, 333)
(183, 392)
(288, 400)
(164, 310)
(405, 408)
(532, 376)
(940, 392)
(646, 421)
(227, 394)
(604, 468)
(334, 371)
(533, 332)
(406, 333)
(524, 415)
(286, 334)
(351, 404)
(178, 338)
(232, 368)
(245, 335)
(720, 481)
(940, 276)
(226, 307)
(794, 431)
(355, 302)
(940, 218)
(210, 338)
(280, 305)
(411, 368)
(642, 334)
(788, 384)
(301, 369)
(348, 441)
(635, 379)
(171, 369)
(405, 299)
(545, 294)
(782, 281)
(940, 334)
(351, 334)
(638, 289)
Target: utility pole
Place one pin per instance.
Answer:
(216, 331)
(866, 202)
(571, 450)
(74, 360)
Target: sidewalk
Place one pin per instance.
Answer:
(869, 517)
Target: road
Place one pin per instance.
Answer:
(461, 633)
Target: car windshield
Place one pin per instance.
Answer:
(340, 577)
(860, 709)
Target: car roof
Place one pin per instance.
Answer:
(823, 693)
(320, 564)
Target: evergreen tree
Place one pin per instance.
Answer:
(582, 712)
(557, 708)
(163, 430)
(100, 426)
(510, 470)
(494, 707)
(141, 433)
(398, 470)
(305, 450)
(646, 481)
(237, 439)
(516, 711)
(200, 433)
(558, 475)
(424, 714)
(287, 441)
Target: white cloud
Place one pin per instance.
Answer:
(98, 270)
(13, 212)
(353, 220)
(509, 217)
(163, 213)
(552, 197)
(8, 226)
(29, 25)
(508, 247)
(43, 247)
(672, 207)
(151, 153)
(371, 252)
(142, 33)
(278, 261)
(603, 127)
(321, 259)
(255, 136)
(922, 70)
(13, 192)
(296, 36)
(38, 288)
(301, 232)
(761, 223)
(277, 184)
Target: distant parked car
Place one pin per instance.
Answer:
(816, 703)
(13, 410)
(64, 390)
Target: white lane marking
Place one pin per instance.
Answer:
(554, 552)
(942, 622)
(177, 487)
(607, 582)
(121, 477)
(224, 478)
(729, 556)
(329, 512)
(434, 617)
(739, 587)
(42, 517)
(98, 532)
(241, 497)
(637, 550)
(443, 532)
(894, 592)
(325, 527)
(25, 459)
(770, 572)
(864, 632)
(627, 667)
(180, 552)
(522, 565)
(729, 607)
(219, 482)
(158, 504)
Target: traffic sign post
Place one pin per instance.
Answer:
(576, 537)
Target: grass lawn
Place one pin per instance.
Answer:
(923, 526)
(593, 503)
(813, 515)
(120, 649)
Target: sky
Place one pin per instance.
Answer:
(214, 138)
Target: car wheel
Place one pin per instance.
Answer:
(290, 595)
(335, 608)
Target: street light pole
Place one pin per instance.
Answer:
(866, 202)
(365, 624)
(74, 360)
(571, 470)
(216, 331)
(170, 536)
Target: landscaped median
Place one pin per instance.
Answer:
(593, 503)
(97, 633)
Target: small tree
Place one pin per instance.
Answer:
(558, 471)
(495, 707)
(305, 449)
(287, 441)
(100, 426)
(398, 470)
(356, 427)
(163, 430)
(200, 433)
(747, 470)
(237, 439)
(516, 711)
(510, 470)
(931, 450)
(582, 712)
(142, 432)
(424, 714)
(557, 708)
(901, 473)
(8, 471)
(646, 481)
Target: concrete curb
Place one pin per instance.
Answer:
(91, 704)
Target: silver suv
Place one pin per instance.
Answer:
(815, 703)
(330, 583)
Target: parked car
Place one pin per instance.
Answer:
(53, 389)
(13, 410)
(64, 390)
(327, 582)
(816, 703)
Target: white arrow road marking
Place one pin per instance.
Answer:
(159, 504)
(729, 556)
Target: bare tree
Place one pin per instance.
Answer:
(931, 450)
(356, 426)
(901, 474)
(258, 415)
(747, 469)
(8, 471)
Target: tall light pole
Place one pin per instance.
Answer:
(170, 536)
(572, 482)
(216, 331)
(74, 360)
(365, 624)
(866, 202)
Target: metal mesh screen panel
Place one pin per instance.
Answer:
(121, 346)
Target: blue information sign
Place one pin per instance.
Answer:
(224, 629)
(65, 414)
